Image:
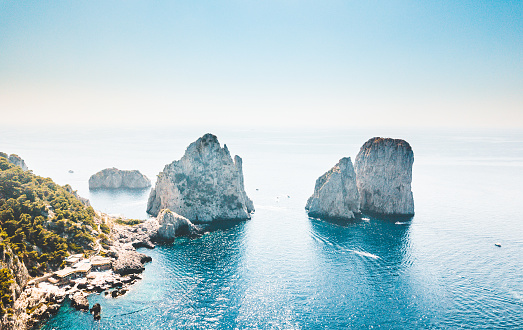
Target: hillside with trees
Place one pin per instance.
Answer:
(41, 223)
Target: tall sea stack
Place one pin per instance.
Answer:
(204, 185)
(384, 175)
(335, 194)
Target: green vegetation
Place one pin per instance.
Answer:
(128, 222)
(6, 279)
(40, 221)
(105, 228)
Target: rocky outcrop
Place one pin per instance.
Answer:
(32, 307)
(96, 310)
(384, 175)
(16, 268)
(16, 160)
(172, 225)
(335, 194)
(130, 262)
(204, 185)
(84, 201)
(113, 178)
(9, 260)
(79, 301)
(137, 236)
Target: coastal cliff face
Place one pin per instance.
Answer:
(335, 194)
(16, 267)
(384, 175)
(113, 178)
(15, 160)
(204, 185)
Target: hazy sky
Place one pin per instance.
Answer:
(286, 63)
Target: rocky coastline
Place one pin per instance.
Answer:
(42, 297)
(205, 185)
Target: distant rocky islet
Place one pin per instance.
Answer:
(113, 178)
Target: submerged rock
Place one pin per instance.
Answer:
(335, 194)
(172, 225)
(384, 175)
(113, 178)
(204, 185)
(118, 292)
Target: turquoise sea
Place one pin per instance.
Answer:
(283, 270)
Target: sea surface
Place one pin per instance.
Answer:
(283, 270)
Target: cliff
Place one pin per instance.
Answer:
(13, 279)
(384, 175)
(15, 160)
(113, 178)
(335, 194)
(204, 185)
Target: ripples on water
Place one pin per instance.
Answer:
(282, 270)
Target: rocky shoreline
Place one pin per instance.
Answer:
(40, 301)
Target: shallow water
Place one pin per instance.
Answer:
(282, 270)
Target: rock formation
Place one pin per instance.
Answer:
(79, 301)
(172, 225)
(96, 310)
(204, 185)
(130, 261)
(34, 305)
(16, 160)
(113, 178)
(16, 267)
(384, 175)
(335, 194)
(84, 201)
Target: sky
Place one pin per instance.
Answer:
(351, 63)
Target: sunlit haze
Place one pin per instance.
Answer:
(262, 63)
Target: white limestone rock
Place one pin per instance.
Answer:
(113, 178)
(204, 185)
(384, 175)
(172, 225)
(79, 301)
(335, 194)
(129, 261)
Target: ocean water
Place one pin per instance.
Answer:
(283, 270)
